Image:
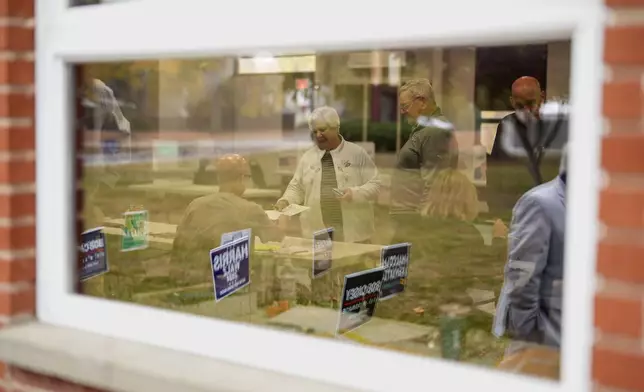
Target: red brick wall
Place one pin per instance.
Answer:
(17, 171)
(618, 362)
(17, 186)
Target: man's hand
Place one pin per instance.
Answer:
(499, 229)
(281, 204)
(347, 195)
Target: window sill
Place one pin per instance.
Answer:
(113, 364)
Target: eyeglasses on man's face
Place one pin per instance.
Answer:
(406, 105)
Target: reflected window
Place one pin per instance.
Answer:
(348, 195)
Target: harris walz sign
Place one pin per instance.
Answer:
(230, 267)
(360, 296)
(395, 260)
(93, 250)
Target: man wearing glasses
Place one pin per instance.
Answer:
(431, 147)
(338, 181)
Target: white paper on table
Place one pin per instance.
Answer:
(488, 134)
(273, 214)
(295, 249)
(291, 210)
(294, 209)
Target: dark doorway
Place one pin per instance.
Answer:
(497, 67)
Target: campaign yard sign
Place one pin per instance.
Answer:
(322, 252)
(395, 260)
(360, 295)
(230, 267)
(135, 231)
(93, 253)
(235, 235)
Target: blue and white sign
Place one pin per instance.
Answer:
(235, 235)
(322, 252)
(395, 260)
(230, 267)
(359, 299)
(93, 249)
(111, 146)
(114, 151)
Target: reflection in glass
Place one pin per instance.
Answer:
(368, 196)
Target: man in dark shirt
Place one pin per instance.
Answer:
(526, 101)
(516, 162)
(431, 147)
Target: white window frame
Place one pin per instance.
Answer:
(171, 28)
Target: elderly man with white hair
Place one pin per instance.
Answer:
(338, 181)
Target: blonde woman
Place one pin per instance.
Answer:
(451, 195)
(450, 256)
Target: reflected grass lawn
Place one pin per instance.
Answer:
(145, 277)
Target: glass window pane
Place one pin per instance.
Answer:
(364, 196)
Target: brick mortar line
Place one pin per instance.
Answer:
(19, 122)
(15, 55)
(17, 156)
(23, 221)
(21, 89)
(16, 21)
(617, 289)
(16, 287)
(624, 181)
(632, 236)
(607, 176)
(617, 343)
(17, 189)
(625, 73)
(625, 16)
(635, 73)
(10, 256)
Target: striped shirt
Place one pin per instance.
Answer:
(329, 204)
(354, 170)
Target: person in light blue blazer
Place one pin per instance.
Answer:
(529, 307)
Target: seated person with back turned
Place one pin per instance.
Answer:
(208, 217)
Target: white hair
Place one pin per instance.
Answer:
(419, 88)
(324, 115)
